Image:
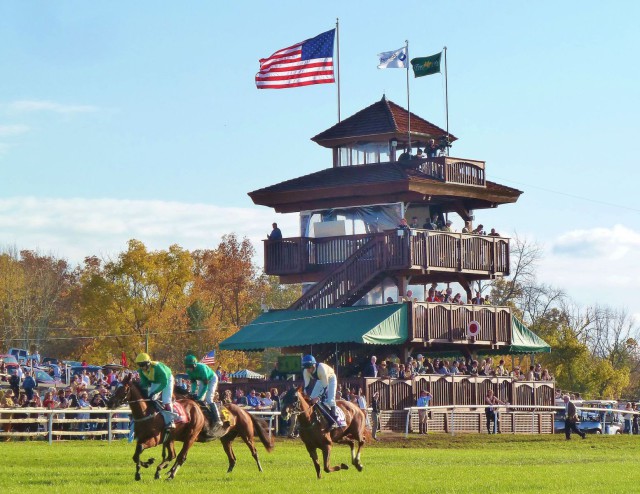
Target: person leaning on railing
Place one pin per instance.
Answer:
(423, 401)
(375, 415)
(490, 411)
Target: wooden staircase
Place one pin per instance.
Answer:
(359, 273)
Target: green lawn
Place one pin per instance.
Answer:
(437, 463)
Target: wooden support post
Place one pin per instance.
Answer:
(50, 426)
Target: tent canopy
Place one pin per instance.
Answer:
(523, 340)
(373, 325)
(246, 374)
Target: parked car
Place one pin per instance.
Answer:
(9, 359)
(10, 363)
(19, 353)
(71, 363)
(594, 417)
(76, 370)
(42, 377)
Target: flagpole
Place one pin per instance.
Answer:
(338, 42)
(408, 99)
(446, 95)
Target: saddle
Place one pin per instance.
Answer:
(212, 431)
(179, 416)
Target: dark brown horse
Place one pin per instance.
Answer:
(149, 427)
(313, 425)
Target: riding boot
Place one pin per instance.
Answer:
(215, 415)
(169, 408)
(334, 419)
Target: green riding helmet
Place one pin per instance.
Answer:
(190, 361)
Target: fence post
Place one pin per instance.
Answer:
(109, 417)
(406, 429)
(453, 427)
(50, 426)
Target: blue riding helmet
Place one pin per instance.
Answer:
(308, 361)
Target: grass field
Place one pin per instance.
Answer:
(436, 463)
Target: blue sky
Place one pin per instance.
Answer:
(122, 120)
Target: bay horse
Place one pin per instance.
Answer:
(314, 436)
(149, 429)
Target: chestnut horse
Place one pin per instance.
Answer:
(149, 427)
(313, 425)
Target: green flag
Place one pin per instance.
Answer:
(426, 65)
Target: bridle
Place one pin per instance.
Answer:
(129, 401)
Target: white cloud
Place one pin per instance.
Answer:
(611, 243)
(12, 130)
(597, 265)
(76, 228)
(24, 106)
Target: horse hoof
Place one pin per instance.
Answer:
(360, 468)
(137, 476)
(156, 476)
(344, 466)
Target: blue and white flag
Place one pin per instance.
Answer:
(393, 59)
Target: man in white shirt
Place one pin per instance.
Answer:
(325, 384)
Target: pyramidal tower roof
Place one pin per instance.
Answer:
(380, 121)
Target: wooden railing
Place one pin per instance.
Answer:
(460, 252)
(351, 279)
(447, 323)
(454, 170)
(397, 394)
(428, 249)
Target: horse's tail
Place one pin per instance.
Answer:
(262, 429)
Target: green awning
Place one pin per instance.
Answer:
(373, 325)
(524, 340)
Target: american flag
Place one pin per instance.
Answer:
(303, 64)
(209, 358)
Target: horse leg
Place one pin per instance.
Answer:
(252, 447)
(326, 456)
(166, 458)
(226, 441)
(136, 459)
(182, 456)
(314, 457)
(352, 446)
(358, 463)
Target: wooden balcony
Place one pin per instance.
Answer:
(424, 251)
(437, 323)
(454, 170)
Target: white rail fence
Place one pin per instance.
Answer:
(522, 409)
(96, 423)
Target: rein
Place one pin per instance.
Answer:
(140, 400)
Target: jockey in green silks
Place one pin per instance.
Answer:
(203, 385)
(157, 378)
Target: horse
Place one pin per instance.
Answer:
(244, 425)
(149, 429)
(313, 425)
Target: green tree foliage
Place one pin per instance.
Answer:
(594, 351)
(140, 294)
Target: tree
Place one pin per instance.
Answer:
(141, 295)
(32, 287)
